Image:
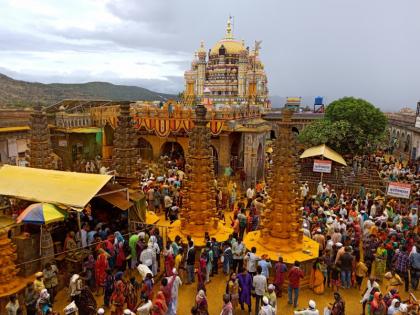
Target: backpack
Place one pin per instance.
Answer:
(242, 221)
(208, 258)
(216, 250)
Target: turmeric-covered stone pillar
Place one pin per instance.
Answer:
(281, 231)
(198, 213)
(40, 151)
(125, 153)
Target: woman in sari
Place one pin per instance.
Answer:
(131, 290)
(159, 304)
(101, 266)
(317, 278)
(109, 248)
(377, 306)
(169, 260)
(201, 303)
(233, 290)
(281, 270)
(118, 298)
(119, 250)
(380, 262)
(87, 302)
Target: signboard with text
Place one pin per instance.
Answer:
(399, 190)
(322, 166)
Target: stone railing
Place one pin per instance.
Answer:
(77, 120)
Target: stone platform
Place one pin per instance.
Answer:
(221, 234)
(308, 252)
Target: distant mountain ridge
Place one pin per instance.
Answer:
(15, 93)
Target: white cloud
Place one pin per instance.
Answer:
(328, 47)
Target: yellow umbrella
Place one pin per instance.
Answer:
(326, 152)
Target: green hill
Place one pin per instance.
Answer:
(15, 93)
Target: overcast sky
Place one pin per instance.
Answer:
(332, 48)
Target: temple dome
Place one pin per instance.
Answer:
(232, 47)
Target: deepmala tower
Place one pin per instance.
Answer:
(198, 213)
(281, 232)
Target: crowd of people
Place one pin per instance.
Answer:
(366, 241)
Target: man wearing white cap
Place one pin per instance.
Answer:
(100, 311)
(272, 297)
(266, 308)
(128, 312)
(311, 310)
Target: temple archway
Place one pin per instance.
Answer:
(295, 131)
(215, 157)
(108, 135)
(145, 149)
(172, 149)
(235, 162)
(407, 143)
(260, 162)
(273, 134)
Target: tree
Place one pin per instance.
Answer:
(349, 126)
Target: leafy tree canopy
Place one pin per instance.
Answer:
(350, 125)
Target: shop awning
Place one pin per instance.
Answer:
(116, 195)
(326, 152)
(118, 200)
(80, 130)
(70, 189)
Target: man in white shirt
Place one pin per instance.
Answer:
(311, 310)
(259, 282)
(250, 193)
(251, 260)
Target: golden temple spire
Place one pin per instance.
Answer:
(202, 48)
(229, 34)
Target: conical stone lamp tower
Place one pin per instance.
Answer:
(199, 214)
(40, 152)
(281, 230)
(124, 157)
(10, 283)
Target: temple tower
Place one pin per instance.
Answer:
(40, 152)
(201, 70)
(124, 151)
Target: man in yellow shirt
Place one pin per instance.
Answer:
(39, 282)
(178, 259)
(360, 271)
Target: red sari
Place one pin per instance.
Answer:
(159, 304)
(118, 299)
(120, 256)
(101, 266)
(281, 270)
(169, 264)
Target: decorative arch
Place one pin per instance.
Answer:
(108, 135)
(172, 149)
(145, 149)
(273, 134)
(295, 130)
(407, 143)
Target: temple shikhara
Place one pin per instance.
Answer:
(229, 73)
